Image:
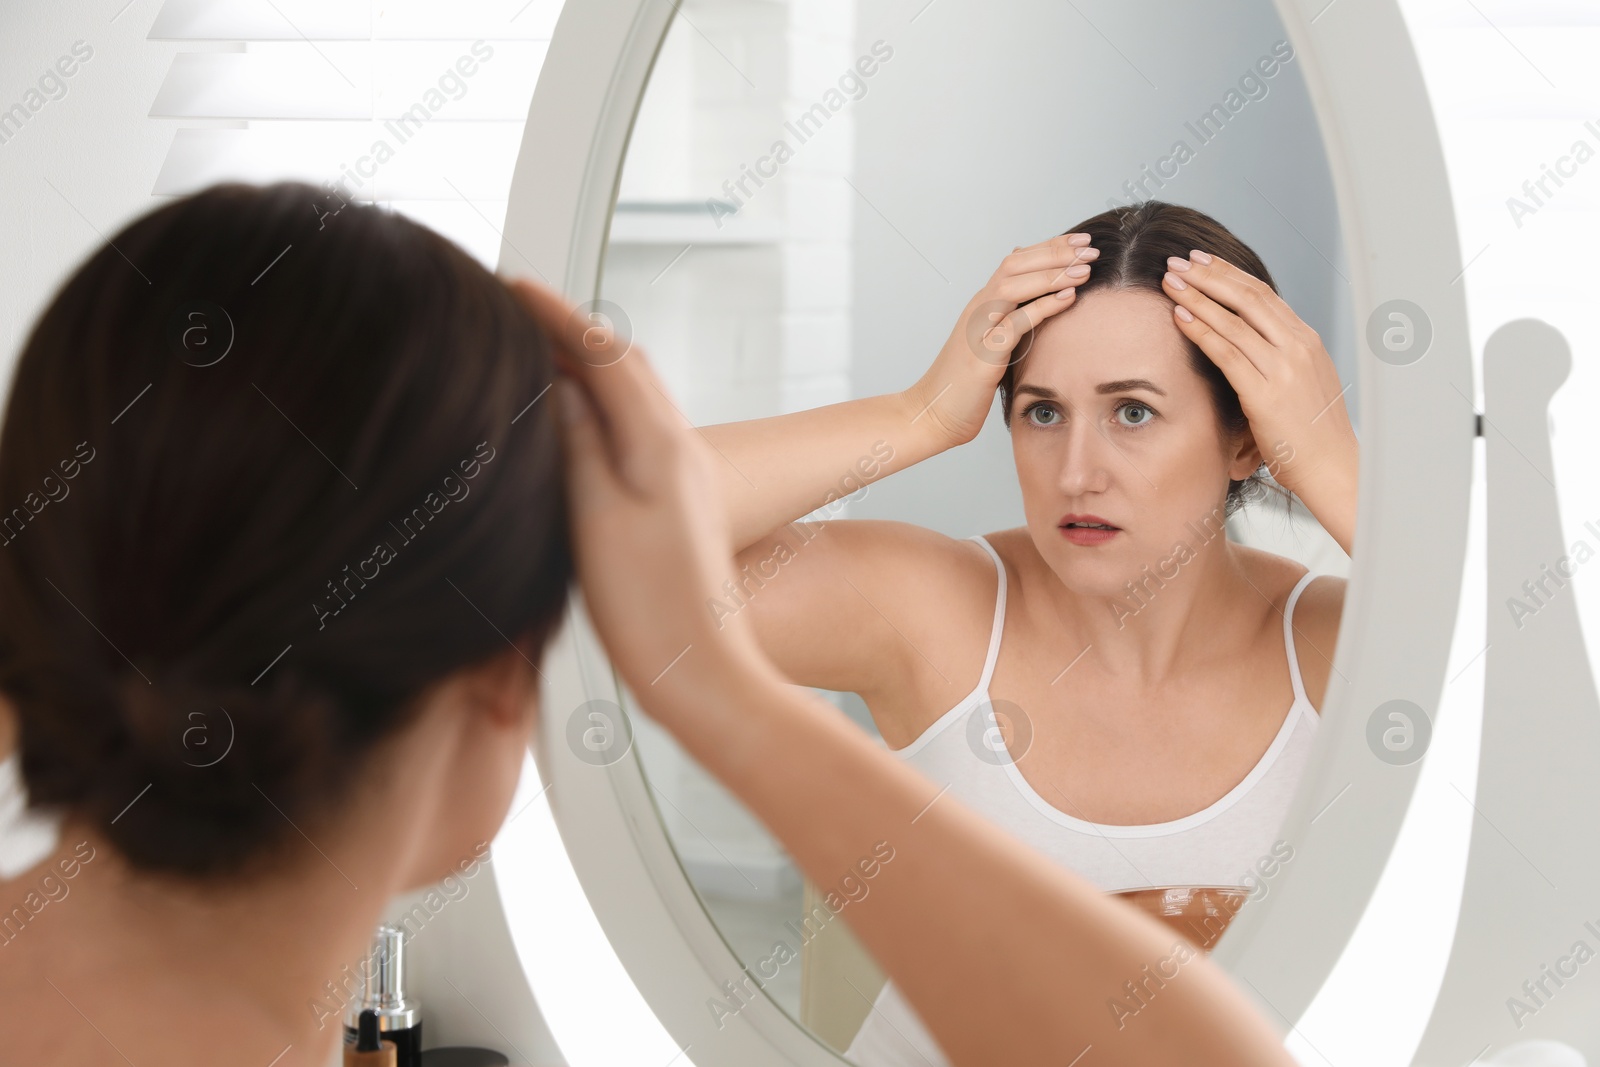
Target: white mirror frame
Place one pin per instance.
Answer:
(1398, 225)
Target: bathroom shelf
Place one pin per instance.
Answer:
(679, 222)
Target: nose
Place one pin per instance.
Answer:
(1087, 455)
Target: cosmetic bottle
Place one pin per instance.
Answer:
(399, 1016)
(369, 1050)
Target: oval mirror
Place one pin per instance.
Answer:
(790, 205)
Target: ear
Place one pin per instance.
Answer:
(1245, 458)
(501, 687)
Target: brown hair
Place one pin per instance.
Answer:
(1134, 244)
(270, 467)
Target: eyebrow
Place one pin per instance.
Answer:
(1121, 385)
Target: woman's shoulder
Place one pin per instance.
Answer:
(931, 577)
(898, 546)
(1317, 612)
(1278, 575)
(1012, 546)
(1019, 558)
(937, 594)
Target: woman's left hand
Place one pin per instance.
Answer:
(1286, 382)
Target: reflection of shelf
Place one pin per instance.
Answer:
(673, 222)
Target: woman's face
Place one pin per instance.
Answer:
(1109, 420)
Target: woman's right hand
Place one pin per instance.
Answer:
(1030, 285)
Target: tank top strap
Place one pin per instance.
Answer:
(999, 614)
(1288, 637)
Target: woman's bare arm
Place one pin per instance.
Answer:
(1006, 956)
(775, 470)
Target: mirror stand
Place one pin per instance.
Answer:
(1530, 908)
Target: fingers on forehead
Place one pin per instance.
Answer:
(1236, 276)
(1045, 254)
(1050, 274)
(1236, 290)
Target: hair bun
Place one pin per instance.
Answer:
(191, 777)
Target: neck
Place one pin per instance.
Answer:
(1170, 614)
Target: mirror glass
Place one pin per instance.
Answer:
(812, 194)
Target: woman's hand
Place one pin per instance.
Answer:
(649, 527)
(1030, 285)
(1286, 382)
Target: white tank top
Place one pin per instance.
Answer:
(1218, 845)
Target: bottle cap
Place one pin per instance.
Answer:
(385, 974)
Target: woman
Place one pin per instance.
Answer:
(303, 491)
(1114, 682)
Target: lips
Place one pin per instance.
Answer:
(1089, 522)
(1087, 529)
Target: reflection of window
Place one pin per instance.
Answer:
(414, 105)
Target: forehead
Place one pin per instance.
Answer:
(1109, 334)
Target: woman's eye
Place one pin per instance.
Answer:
(1036, 414)
(1142, 416)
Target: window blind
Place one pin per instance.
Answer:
(412, 104)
